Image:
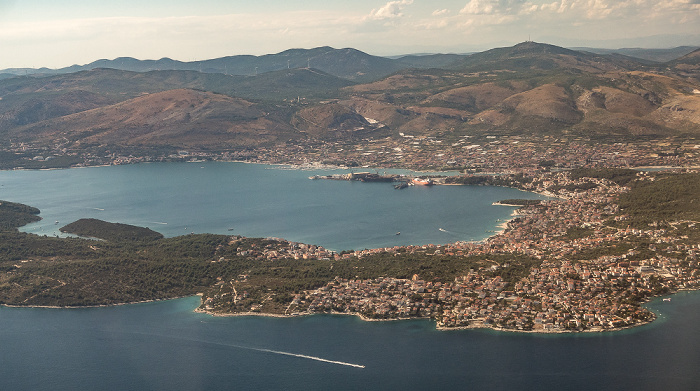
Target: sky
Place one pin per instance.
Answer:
(59, 33)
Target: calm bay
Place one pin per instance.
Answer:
(167, 346)
(259, 201)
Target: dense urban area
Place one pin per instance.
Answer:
(591, 269)
(499, 154)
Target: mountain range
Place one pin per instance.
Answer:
(331, 94)
(346, 63)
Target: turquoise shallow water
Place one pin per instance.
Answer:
(166, 346)
(259, 201)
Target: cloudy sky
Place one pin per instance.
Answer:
(58, 33)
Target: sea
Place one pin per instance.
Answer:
(261, 201)
(167, 346)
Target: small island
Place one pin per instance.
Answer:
(94, 228)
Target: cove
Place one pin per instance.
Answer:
(260, 201)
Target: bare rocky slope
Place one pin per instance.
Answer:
(529, 88)
(181, 118)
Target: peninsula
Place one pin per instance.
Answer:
(584, 261)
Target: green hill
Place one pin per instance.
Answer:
(14, 215)
(116, 232)
(668, 198)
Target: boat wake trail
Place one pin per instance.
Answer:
(453, 233)
(347, 364)
(158, 222)
(305, 356)
(291, 355)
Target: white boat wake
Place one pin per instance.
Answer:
(290, 354)
(305, 356)
(453, 233)
(268, 351)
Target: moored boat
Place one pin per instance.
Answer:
(422, 181)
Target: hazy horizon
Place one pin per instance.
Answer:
(42, 33)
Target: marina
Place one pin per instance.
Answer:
(403, 180)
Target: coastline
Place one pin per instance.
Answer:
(500, 204)
(296, 315)
(472, 326)
(68, 307)
(476, 324)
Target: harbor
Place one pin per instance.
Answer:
(401, 181)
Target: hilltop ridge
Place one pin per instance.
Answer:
(530, 89)
(346, 63)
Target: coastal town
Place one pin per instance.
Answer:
(568, 263)
(494, 153)
(589, 271)
(488, 153)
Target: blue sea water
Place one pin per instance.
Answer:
(166, 346)
(259, 201)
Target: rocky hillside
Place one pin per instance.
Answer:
(530, 88)
(537, 88)
(688, 66)
(180, 118)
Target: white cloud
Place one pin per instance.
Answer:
(603, 9)
(391, 10)
(477, 7)
(578, 12)
(492, 7)
(398, 26)
(433, 24)
(64, 42)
